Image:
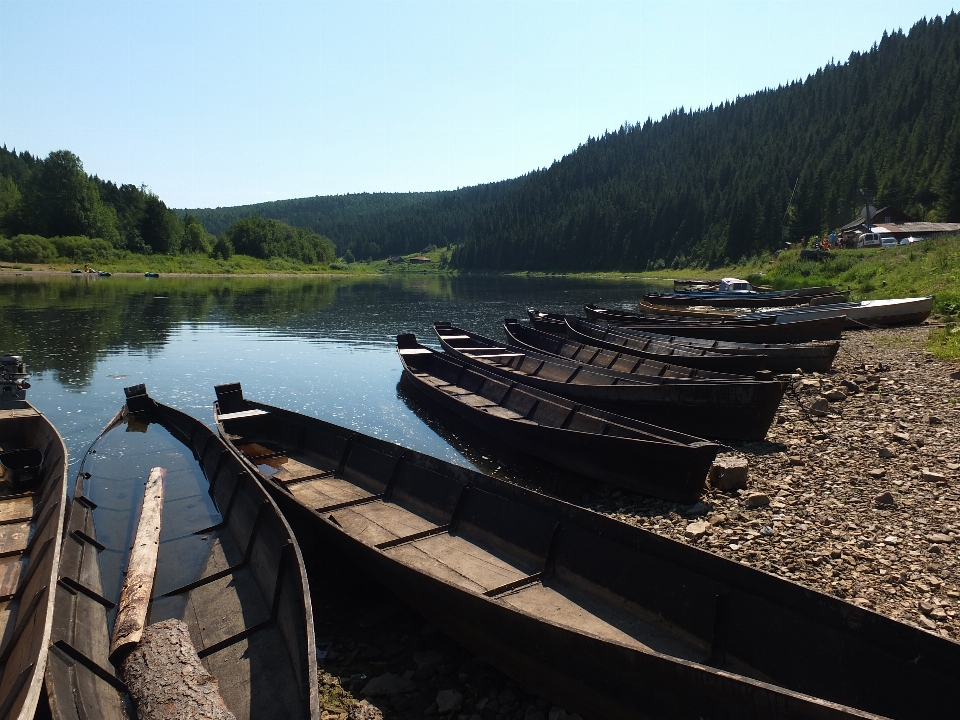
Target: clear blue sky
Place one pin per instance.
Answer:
(225, 103)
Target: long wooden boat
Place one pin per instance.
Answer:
(737, 300)
(664, 350)
(685, 311)
(600, 617)
(33, 498)
(866, 313)
(730, 408)
(228, 566)
(616, 316)
(780, 357)
(575, 437)
(801, 329)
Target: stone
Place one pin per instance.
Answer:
(756, 499)
(796, 462)
(939, 538)
(388, 684)
(887, 453)
(835, 395)
(852, 387)
(718, 519)
(926, 606)
(729, 473)
(901, 437)
(506, 696)
(876, 472)
(697, 509)
(932, 420)
(448, 701)
(364, 711)
(885, 499)
(890, 540)
(696, 529)
(930, 476)
(926, 623)
(819, 407)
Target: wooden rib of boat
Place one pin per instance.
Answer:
(735, 300)
(573, 436)
(733, 408)
(228, 566)
(664, 351)
(598, 616)
(867, 313)
(33, 498)
(801, 330)
(780, 357)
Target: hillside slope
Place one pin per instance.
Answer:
(714, 185)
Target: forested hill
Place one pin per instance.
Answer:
(715, 184)
(374, 225)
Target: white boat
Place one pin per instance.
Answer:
(866, 313)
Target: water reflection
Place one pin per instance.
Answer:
(321, 346)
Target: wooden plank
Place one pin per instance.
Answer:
(18, 413)
(325, 492)
(138, 585)
(17, 508)
(11, 569)
(242, 414)
(14, 537)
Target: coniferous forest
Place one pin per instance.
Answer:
(694, 188)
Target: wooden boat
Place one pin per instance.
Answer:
(731, 408)
(780, 357)
(616, 316)
(228, 566)
(685, 311)
(801, 330)
(33, 498)
(663, 351)
(738, 300)
(598, 616)
(867, 313)
(572, 436)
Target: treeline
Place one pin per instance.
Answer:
(715, 185)
(375, 225)
(50, 208)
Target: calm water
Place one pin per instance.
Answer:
(320, 346)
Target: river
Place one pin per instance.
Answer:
(321, 346)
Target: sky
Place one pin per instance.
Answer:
(218, 103)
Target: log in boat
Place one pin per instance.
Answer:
(572, 436)
(780, 357)
(664, 350)
(866, 313)
(801, 329)
(732, 408)
(600, 617)
(33, 498)
(740, 300)
(228, 566)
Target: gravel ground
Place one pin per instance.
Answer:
(856, 496)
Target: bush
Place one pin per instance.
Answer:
(82, 249)
(222, 249)
(28, 248)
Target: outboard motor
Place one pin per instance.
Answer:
(13, 378)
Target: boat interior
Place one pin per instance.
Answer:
(32, 498)
(226, 567)
(568, 567)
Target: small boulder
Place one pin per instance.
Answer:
(930, 476)
(388, 684)
(755, 500)
(887, 453)
(876, 472)
(901, 437)
(939, 538)
(885, 499)
(729, 473)
(364, 711)
(835, 395)
(852, 387)
(448, 701)
(696, 529)
(819, 407)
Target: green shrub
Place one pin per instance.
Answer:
(28, 248)
(82, 249)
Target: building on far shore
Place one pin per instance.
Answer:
(891, 221)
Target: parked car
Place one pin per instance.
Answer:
(910, 240)
(868, 240)
(888, 241)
